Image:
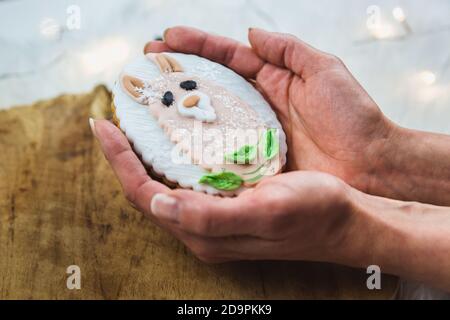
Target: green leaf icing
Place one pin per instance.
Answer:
(270, 144)
(244, 155)
(222, 180)
(254, 179)
(254, 171)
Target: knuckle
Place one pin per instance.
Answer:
(203, 251)
(133, 193)
(114, 146)
(334, 189)
(129, 195)
(229, 54)
(205, 224)
(274, 207)
(279, 218)
(332, 60)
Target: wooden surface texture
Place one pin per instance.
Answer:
(61, 205)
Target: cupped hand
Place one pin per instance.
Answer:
(331, 123)
(299, 215)
(332, 126)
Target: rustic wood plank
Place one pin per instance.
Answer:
(60, 204)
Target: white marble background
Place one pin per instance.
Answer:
(408, 74)
(405, 66)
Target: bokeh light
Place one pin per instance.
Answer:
(109, 53)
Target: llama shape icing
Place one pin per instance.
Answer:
(203, 119)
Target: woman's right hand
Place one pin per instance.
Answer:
(331, 123)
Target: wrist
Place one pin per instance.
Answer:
(382, 157)
(411, 165)
(377, 159)
(407, 239)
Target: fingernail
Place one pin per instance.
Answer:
(146, 47)
(253, 29)
(165, 34)
(164, 207)
(92, 125)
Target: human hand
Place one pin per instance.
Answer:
(331, 123)
(299, 215)
(293, 216)
(304, 215)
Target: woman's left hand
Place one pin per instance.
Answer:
(300, 215)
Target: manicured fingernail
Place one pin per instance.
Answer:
(92, 125)
(164, 207)
(165, 34)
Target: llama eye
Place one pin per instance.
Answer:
(167, 98)
(188, 85)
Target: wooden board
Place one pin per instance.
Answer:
(60, 205)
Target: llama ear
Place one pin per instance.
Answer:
(165, 62)
(133, 87)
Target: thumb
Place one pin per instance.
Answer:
(207, 215)
(287, 51)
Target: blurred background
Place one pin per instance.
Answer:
(399, 50)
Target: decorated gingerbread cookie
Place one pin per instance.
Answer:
(197, 124)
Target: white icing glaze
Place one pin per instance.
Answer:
(204, 111)
(149, 139)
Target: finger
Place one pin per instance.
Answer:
(232, 248)
(138, 187)
(157, 47)
(287, 51)
(228, 52)
(272, 82)
(210, 250)
(211, 216)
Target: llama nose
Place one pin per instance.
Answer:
(197, 105)
(191, 101)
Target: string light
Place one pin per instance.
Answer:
(50, 29)
(107, 54)
(382, 31)
(427, 77)
(399, 14)
(378, 28)
(424, 87)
